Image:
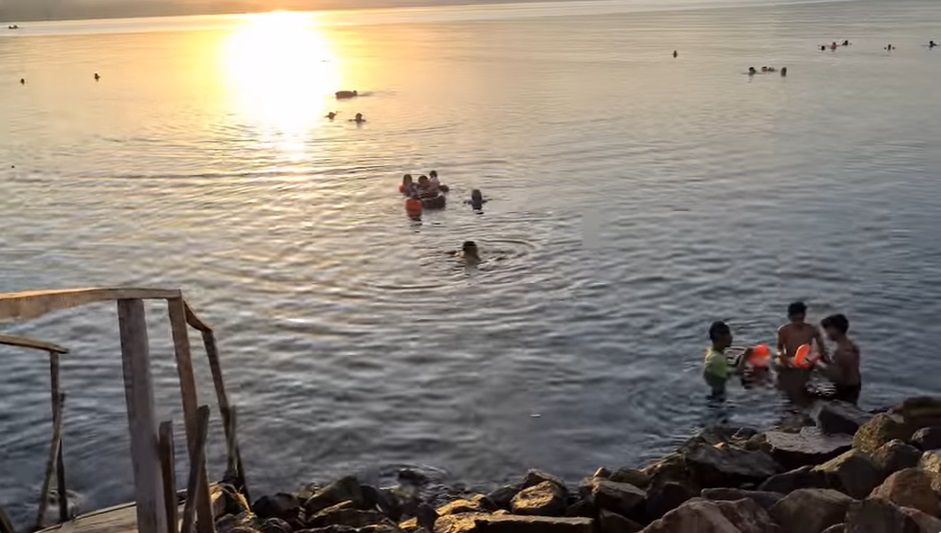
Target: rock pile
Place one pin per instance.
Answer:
(850, 471)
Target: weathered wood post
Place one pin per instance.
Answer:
(57, 414)
(197, 472)
(184, 367)
(139, 394)
(51, 462)
(168, 464)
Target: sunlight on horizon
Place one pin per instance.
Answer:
(281, 73)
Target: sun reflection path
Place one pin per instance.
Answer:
(280, 74)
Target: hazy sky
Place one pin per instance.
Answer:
(18, 10)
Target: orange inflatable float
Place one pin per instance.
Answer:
(803, 358)
(760, 355)
(413, 207)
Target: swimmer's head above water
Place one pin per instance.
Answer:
(469, 251)
(797, 312)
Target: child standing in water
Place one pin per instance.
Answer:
(716, 367)
(796, 333)
(843, 371)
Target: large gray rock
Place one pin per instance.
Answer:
(726, 465)
(535, 477)
(895, 455)
(879, 516)
(834, 417)
(664, 498)
(910, 488)
(706, 516)
(881, 429)
(340, 515)
(920, 410)
(630, 475)
(852, 473)
(804, 477)
(810, 446)
(928, 438)
(810, 510)
(930, 461)
(475, 504)
(927, 523)
(502, 496)
(620, 498)
(341, 490)
(671, 467)
(275, 525)
(229, 523)
(609, 522)
(482, 523)
(544, 499)
(584, 508)
(763, 498)
(281, 505)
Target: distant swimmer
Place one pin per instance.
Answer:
(833, 46)
(332, 115)
(477, 200)
(22, 81)
(771, 69)
(932, 44)
(764, 69)
(823, 48)
(752, 71)
(784, 71)
(469, 253)
(97, 76)
(359, 119)
(675, 54)
(890, 48)
(846, 42)
(346, 94)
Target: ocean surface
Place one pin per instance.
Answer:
(634, 198)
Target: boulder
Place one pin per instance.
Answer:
(910, 488)
(706, 516)
(483, 523)
(341, 490)
(230, 522)
(930, 461)
(630, 475)
(810, 510)
(602, 473)
(879, 516)
(584, 508)
(426, 516)
(763, 498)
(544, 499)
(852, 473)
(664, 498)
(226, 500)
(502, 496)
(725, 465)
(895, 455)
(412, 476)
(920, 410)
(928, 438)
(535, 477)
(621, 498)
(281, 505)
(810, 446)
(609, 522)
(926, 522)
(382, 499)
(804, 477)
(834, 417)
(836, 528)
(275, 525)
(340, 515)
(476, 504)
(881, 429)
(671, 467)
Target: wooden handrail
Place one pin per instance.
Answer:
(32, 304)
(34, 344)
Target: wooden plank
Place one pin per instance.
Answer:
(6, 526)
(197, 470)
(193, 320)
(27, 342)
(184, 366)
(139, 394)
(57, 419)
(239, 469)
(168, 464)
(50, 462)
(31, 304)
(209, 341)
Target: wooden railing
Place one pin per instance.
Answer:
(150, 478)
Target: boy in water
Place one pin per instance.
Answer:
(843, 371)
(716, 368)
(797, 332)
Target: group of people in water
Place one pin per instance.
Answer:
(766, 70)
(358, 118)
(889, 47)
(800, 351)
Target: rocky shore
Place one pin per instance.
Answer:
(832, 469)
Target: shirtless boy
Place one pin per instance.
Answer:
(843, 371)
(797, 332)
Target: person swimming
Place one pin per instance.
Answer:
(932, 44)
(889, 47)
(833, 45)
(675, 53)
(846, 42)
(22, 81)
(823, 48)
(752, 71)
(477, 200)
(359, 119)
(332, 115)
(716, 368)
(784, 71)
(97, 76)
(469, 253)
(796, 333)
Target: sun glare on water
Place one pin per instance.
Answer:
(281, 73)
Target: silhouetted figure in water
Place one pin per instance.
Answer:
(932, 44)
(477, 200)
(890, 48)
(752, 71)
(783, 71)
(846, 42)
(97, 77)
(823, 48)
(332, 115)
(358, 118)
(676, 54)
(22, 81)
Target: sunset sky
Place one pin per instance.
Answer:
(18, 10)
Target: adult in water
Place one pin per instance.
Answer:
(843, 370)
(477, 200)
(752, 71)
(932, 44)
(469, 253)
(359, 119)
(332, 115)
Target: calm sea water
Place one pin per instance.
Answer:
(634, 199)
